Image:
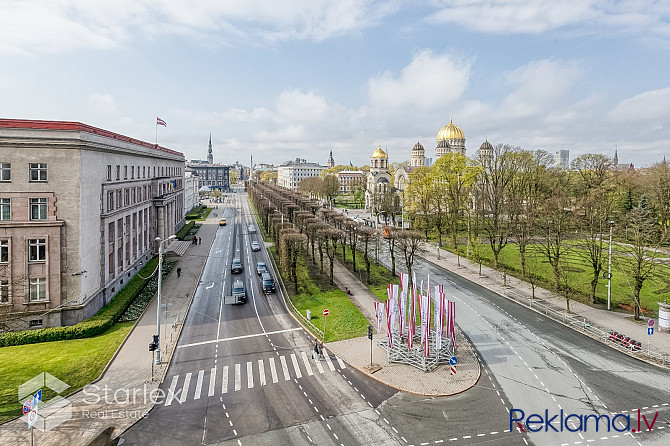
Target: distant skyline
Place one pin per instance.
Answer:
(295, 79)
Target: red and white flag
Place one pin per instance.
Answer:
(425, 325)
(159, 121)
(451, 316)
(379, 312)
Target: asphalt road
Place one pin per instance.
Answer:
(244, 373)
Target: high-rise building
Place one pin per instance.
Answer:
(562, 159)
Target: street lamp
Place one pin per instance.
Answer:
(609, 269)
(158, 307)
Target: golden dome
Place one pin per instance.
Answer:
(379, 153)
(450, 131)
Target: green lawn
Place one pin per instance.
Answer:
(203, 215)
(380, 276)
(76, 362)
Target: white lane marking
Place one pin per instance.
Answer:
(273, 371)
(184, 390)
(210, 287)
(224, 384)
(238, 384)
(250, 375)
(329, 362)
(212, 381)
(339, 361)
(261, 372)
(284, 368)
(298, 373)
(234, 338)
(170, 395)
(319, 366)
(198, 385)
(307, 365)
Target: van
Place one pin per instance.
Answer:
(239, 294)
(267, 283)
(236, 266)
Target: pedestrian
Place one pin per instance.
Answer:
(316, 349)
(321, 350)
(199, 240)
(193, 240)
(178, 272)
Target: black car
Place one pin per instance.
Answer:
(261, 268)
(236, 267)
(239, 294)
(267, 283)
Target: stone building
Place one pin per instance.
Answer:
(378, 179)
(213, 176)
(291, 173)
(350, 180)
(81, 207)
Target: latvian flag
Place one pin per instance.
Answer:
(388, 320)
(159, 121)
(451, 316)
(425, 308)
(379, 311)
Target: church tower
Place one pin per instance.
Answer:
(331, 161)
(210, 157)
(450, 139)
(485, 154)
(418, 155)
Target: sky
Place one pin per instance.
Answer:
(282, 79)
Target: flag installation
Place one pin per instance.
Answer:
(389, 326)
(425, 324)
(451, 316)
(379, 312)
(159, 121)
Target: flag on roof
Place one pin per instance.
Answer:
(159, 121)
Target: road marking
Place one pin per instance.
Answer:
(170, 395)
(339, 361)
(184, 390)
(212, 381)
(284, 368)
(261, 372)
(250, 375)
(238, 384)
(329, 362)
(224, 384)
(307, 365)
(198, 385)
(319, 366)
(273, 371)
(298, 373)
(234, 338)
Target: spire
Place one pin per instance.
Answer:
(210, 143)
(210, 157)
(615, 161)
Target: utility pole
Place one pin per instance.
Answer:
(609, 270)
(158, 306)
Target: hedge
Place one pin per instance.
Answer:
(195, 212)
(184, 230)
(95, 325)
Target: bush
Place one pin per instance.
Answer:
(185, 230)
(95, 325)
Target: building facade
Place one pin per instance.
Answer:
(350, 180)
(81, 207)
(213, 176)
(378, 179)
(450, 139)
(191, 196)
(291, 173)
(562, 159)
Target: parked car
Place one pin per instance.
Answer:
(252, 229)
(261, 268)
(222, 222)
(236, 266)
(255, 246)
(267, 283)
(239, 294)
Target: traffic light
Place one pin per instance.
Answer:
(369, 331)
(152, 347)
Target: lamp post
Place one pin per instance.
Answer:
(609, 269)
(158, 306)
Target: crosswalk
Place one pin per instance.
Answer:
(256, 373)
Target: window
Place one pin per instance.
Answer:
(5, 209)
(37, 249)
(110, 201)
(36, 323)
(109, 172)
(38, 172)
(4, 251)
(4, 291)
(125, 172)
(38, 208)
(5, 171)
(132, 172)
(118, 172)
(144, 171)
(38, 289)
(126, 197)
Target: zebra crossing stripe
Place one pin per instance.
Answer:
(319, 366)
(250, 375)
(198, 385)
(284, 368)
(170, 395)
(329, 362)
(212, 381)
(298, 373)
(306, 361)
(184, 390)
(273, 371)
(261, 372)
(238, 384)
(224, 384)
(339, 361)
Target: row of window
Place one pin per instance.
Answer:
(38, 209)
(37, 290)
(145, 171)
(37, 172)
(37, 250)
(120, 198)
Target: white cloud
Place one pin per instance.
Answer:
(652, 105)
(103, 104)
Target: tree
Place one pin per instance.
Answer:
(332, 237)
(391, 242)
(330, 188)
(409, 243)
(418, 198)
(359, 196)
(658, 182)
(268, 177)
(367, 234)
(352, 229)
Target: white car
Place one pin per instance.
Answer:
(252, 229)
(255, 246)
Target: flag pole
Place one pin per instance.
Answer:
(156, 131)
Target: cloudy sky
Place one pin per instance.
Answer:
(281, 79)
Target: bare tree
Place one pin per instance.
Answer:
(367, 235)
(409, 243)
(332, 237)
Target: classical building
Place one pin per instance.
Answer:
(291, 173)
(350, 180)
(213, 176)
(450, 139)
(331, 160)
(81, 207)
(378, 179)
(191, 196)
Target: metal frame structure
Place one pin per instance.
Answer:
(400, 353)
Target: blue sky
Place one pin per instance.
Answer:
(286, 78)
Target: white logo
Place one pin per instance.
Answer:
(52, 413)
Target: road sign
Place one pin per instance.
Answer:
(326, 312)
(453, 360)
(27, 406)
(32, 415)
(650, 322)
(650, 331)
(453, 369)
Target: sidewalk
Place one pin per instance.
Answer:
(356, 352)
(129, 371)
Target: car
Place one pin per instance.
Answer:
(267, 283)
(252, 229)
(236, 266)
(239, 294)
(222, 222)
(255, 246)
(261, 268)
